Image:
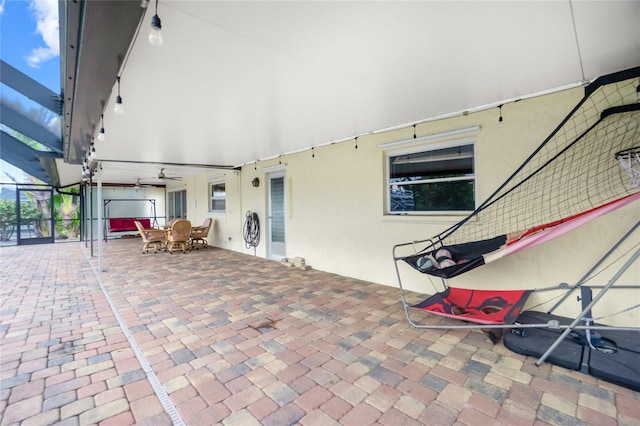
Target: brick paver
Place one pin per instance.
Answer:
(236, 339)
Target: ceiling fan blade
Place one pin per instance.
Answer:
(163, 176)
(139, 184)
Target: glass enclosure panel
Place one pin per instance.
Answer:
(67, 215)
(38, 223)
(35, 220)
(8, 214)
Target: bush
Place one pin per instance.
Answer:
(8, 219)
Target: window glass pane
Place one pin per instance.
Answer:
(178, 205)
(218, 197)
(183, 204)
(432, 180)
(218, 190)
(277, 210)
(440, 196)
(440, 163)
(218, 204)
(172, 209)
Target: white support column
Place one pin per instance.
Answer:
(100, 218)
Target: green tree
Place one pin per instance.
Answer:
(8, 219)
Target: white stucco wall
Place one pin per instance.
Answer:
(138, 207)
(336, 210)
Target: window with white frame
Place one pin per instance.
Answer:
(217, 197)
(435, 179)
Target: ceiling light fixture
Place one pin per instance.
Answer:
(118, 108)
(155, 36)
(101, 135)
(500, 118)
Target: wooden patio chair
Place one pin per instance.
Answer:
(199, 234)
(153, 238)
(179, 236)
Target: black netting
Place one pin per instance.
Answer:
(573, 170)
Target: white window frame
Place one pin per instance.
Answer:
(212, 198)
(427, 148)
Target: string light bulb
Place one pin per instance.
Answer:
(500, 118)
(101, 135)
(118, 108)
(155, 36)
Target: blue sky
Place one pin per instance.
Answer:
(29, 41)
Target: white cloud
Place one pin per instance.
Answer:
(2, 6)
(46, 16)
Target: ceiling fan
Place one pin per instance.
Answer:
(163, 176)
(139, 185)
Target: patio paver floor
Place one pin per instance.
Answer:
(238, 340)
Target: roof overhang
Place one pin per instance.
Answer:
(94, 40)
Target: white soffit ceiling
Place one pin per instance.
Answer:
(240, 81)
